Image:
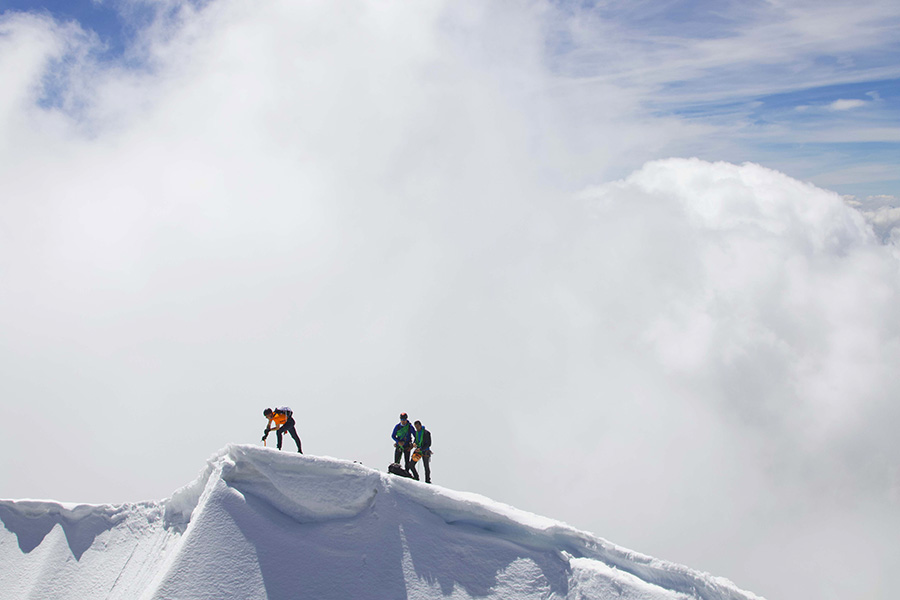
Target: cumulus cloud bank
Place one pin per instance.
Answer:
(361, 210)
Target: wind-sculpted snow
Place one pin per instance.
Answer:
(323, 489)
(51, 550)
(263, 524)
(32, 520)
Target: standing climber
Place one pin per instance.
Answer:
(403, 437)
(284, 421)
(422, 441)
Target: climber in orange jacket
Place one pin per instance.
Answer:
(284, 421)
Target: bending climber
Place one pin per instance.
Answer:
(284, 422)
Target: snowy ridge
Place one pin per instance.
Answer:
(258, 523)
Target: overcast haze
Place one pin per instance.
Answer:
(471, 212)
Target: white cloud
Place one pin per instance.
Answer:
(883, 213)
(767, 304)
(845, 104)
(360, 212)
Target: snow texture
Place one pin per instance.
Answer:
(258, 523)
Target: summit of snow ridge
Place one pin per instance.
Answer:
(306, 488)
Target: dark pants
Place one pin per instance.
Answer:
(426, 460)
(289, 427)
(404, 450)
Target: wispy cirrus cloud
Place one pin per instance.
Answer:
(753, 49)
(731, 66)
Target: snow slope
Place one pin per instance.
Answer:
(259, 523)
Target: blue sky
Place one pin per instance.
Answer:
(849, 128)
(107, 19)
(808, 88)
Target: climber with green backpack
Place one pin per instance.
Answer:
(422, 441)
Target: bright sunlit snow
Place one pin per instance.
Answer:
(279, 526)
